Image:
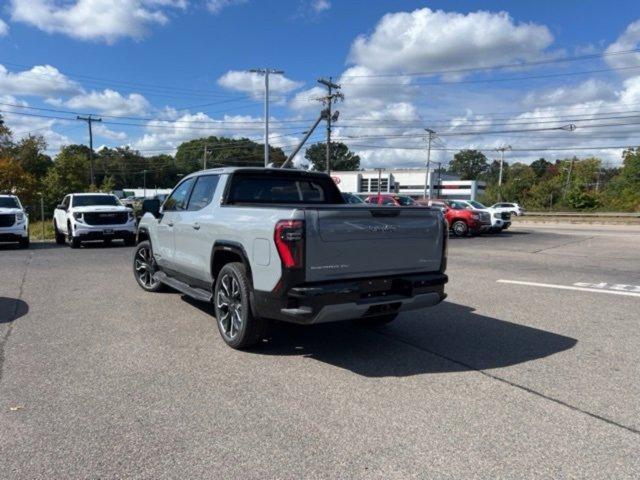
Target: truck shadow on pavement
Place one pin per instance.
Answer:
(11, 309)
(446, 338)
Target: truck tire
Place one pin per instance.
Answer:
(74, 242)
(238, 326)
(460, 228)
(59, 235)
(24, 242)
(144, 266)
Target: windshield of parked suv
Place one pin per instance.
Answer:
(476, 204)
(91, 200)
(8, 202)
(282, 188)
(457, 205)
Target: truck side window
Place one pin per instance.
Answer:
(65, 202)
(179, 197)
(203, 191)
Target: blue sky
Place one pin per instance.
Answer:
(177, 70)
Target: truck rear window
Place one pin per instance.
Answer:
(256, 188)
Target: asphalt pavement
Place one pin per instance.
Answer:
(529, 369)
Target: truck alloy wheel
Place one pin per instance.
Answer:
(229, 305)
(144, 266)
(238, 326)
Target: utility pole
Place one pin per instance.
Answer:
(427, 177)
(144, 182)
(89, 119)
(502, 150)
(205, 152)
(266, 72)
(566, 187)
(328, 99)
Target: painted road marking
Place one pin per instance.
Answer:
(577, 287)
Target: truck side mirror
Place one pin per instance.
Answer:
(61, 207)
(152, 206)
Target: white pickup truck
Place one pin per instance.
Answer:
(500, 219)
(93, 216)
(282, 244)
(14, 221)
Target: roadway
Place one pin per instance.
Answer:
(529, 369)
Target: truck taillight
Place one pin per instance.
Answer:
(289, 239)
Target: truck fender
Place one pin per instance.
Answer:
(224, 251)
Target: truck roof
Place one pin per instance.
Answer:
(223, 170)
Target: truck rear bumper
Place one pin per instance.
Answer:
(336, 301)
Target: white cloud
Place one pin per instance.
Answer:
(426, 40)
(587, 91)
(216, 6)
(110, 102)
(22, 126)
(629, 40)
(103, 20)
(41, 80)
(101, 130)
(169, 134)
(319, 6)
(4, 28)
(253, 83)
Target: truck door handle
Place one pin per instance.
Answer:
(169, 223)
(196, 226)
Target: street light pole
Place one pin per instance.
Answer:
(266, 72)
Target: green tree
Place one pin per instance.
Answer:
(29, 152)
(341, 158)
(468, 164)
(69, 174)
(223, 152)
(14, 179)
(540, 167)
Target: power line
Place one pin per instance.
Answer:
(500, 66)
(493, 80)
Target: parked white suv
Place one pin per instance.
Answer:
(14, 221)
(512, 208)
(93, 216)
(500, 220)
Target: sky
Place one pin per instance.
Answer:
(546, 78)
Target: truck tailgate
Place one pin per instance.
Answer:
(352, 242)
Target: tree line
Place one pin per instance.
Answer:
(564, 184)
(27, 171)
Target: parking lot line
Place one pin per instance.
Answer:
(570, 287)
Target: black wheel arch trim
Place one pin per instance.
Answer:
(238, 249)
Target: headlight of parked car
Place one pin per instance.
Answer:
(475, 216)
(19, 217)
(496, 215)
(78, 216)
(131, 216)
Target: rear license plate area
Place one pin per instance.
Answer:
(383, 309)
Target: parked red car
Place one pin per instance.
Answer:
(463, 221)
(390, 199)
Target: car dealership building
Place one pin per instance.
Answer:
(408, 181)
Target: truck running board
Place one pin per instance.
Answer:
(196, 293)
